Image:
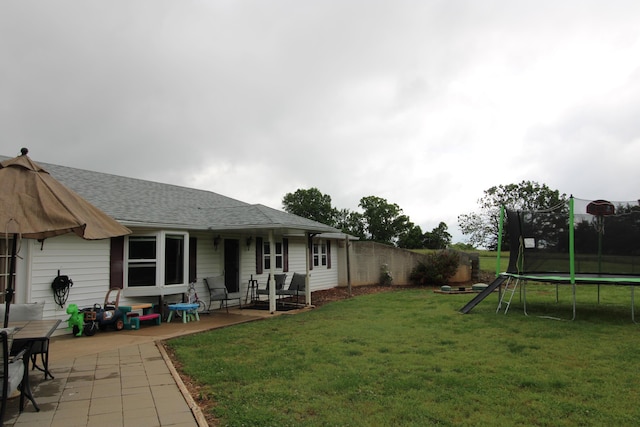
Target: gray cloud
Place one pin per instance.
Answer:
(424, 103)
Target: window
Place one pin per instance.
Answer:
(263, 255)
(319, 254)
(266, 253)
(156, 258)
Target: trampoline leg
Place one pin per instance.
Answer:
(524, 297)
(574, 302)
(633, 314)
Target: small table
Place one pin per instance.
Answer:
(27, 333)
(188, 311)
(252, 287)
(134, 314)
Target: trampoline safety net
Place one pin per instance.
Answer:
(591, 240)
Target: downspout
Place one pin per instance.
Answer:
(271, 284)
(346, 245)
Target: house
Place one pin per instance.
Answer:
(179, 236)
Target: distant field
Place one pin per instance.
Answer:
(487, 259)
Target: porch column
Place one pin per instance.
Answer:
(272, 263)
(307, 280)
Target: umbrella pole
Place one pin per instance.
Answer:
(8, 295)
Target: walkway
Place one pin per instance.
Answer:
(117, 379)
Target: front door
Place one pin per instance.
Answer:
(232, 265)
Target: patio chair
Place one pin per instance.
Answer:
(13, 371)
(296, 287)
(218, 292)
(278, 278)
(25, 312)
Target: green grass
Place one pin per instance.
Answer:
(488, 260)
(409, 358)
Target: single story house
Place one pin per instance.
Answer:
(179, 236)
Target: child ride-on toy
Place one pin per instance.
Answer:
(98, 317)
(110, 314)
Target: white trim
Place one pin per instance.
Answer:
(160, 288)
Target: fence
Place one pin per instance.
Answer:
(366, 259)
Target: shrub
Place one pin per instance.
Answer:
(437, 270)
(385, 275)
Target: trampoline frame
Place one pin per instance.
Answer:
(571, 278)
(559, 279)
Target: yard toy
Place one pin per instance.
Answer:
(575, 243)
(76, 320)
(110, 314)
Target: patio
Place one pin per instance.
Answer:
(118, 378)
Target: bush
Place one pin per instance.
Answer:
(437, 270)
(385, 275)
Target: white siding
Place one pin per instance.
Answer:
(85, 262)
(320, 277)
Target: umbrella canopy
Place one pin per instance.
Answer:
(34, 205)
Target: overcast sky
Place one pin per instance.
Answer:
(424, 103)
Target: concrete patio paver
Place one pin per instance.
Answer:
(117, 379)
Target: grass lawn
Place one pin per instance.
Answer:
(409, 358)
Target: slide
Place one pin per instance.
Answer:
(482, 295)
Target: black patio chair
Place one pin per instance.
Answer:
(296, 288)
(218, 292)
(13, 370)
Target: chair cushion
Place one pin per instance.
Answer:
(16, 372)
(22, 312)
(218, 295)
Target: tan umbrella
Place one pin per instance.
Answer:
(34, 205)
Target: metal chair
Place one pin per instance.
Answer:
(296, 287)
(279, 279)
(13, 371)
(32, 311)
(218, 292)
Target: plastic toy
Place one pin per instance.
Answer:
(76, 320)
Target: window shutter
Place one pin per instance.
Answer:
(193, 274)
(285, 255)
(259, 257)
(116, 263)
(328, 253)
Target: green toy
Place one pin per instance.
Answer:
(76, 319)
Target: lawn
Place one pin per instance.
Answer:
(409, 358)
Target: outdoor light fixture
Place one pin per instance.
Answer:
(216, 242)
(249, 240)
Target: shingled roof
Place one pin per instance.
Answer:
(137, 202)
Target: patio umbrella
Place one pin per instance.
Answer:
(36, 206)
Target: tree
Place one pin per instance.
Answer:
(438, 238)
(351, 223)
(483, 227)
(384, 221)
(311, 204)
(411, 238)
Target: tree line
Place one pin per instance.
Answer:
(379, 220)
(384, 222)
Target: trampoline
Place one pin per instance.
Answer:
(579, 242)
